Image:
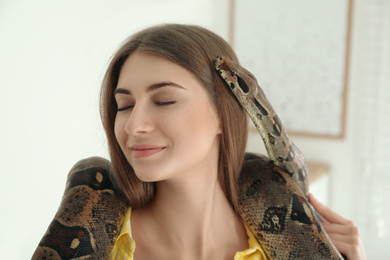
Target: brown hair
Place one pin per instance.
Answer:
(195, 49)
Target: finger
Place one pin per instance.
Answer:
(328, 214)
(344, 249)
(341, 247)
(347, 239)
(350, 251)
(342, 229)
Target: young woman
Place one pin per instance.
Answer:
(177, 141)
(177, 138)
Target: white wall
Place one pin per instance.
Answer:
(359, 182)
(52, 58)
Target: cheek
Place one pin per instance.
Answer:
(200, 125)
(119, 130)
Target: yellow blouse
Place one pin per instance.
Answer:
(125, 245)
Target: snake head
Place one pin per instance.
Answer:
(228, 69)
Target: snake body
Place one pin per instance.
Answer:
(275, 205)
(281, 150)
(89, 217)
(272, 194)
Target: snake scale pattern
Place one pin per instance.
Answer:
(272, 193)
(275, 204)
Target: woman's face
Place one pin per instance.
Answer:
(166, 124)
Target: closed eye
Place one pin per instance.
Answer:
(162, 104)
(123, 108)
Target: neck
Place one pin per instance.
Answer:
(190, 207)
(193, 214)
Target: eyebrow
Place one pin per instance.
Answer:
(150, 88)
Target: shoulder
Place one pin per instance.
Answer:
(95, 172)
(258, 169)
(91, 162)
(258, 161)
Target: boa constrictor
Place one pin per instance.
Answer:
(272, 194)
(275, 205)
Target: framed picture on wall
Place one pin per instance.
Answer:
(299, 53)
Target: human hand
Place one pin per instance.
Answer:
(343, 232)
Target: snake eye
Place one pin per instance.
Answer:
(232, 73)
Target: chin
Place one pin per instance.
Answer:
(145, 177)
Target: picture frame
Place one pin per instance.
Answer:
(299, 52)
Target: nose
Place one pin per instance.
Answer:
(139, 122)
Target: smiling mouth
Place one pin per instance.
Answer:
(145, 151)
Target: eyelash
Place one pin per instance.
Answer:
(163, 104)
(159, 104)
(119, 109)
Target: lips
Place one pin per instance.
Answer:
(143, 151)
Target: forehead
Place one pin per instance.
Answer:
(150, 67)
(143, 70)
